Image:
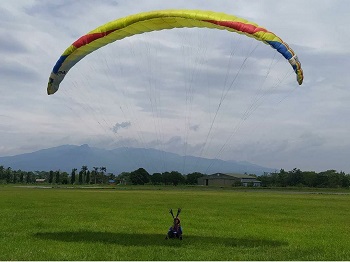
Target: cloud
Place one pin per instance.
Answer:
(17, 71)
(10, 44)
(170, 84)
(194, 127)
(122, 125)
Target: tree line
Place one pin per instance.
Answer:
(96, 175)
(99, 175)
(141, 177)
(298, 178)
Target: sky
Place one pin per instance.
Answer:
(207, 93)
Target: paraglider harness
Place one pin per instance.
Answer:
(175, 231)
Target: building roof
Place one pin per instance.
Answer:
(234, 175)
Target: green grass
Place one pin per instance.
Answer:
(130, 223)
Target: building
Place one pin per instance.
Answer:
(111, 181)
(221, 179)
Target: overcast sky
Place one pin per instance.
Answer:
(190, 91)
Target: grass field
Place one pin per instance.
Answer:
(131, 223)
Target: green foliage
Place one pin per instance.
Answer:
(124, 178)
(237, 183)
(156, 179)
(191, 179)
(296, 177)
(50, 176)
(80, 178)
(57, 177)
(64, 177)
(176, 178)
(292, 178)
(173, 178)
(73, 176)
(87, 177)
(139, 177)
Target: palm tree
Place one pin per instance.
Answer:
(103, 169)
(82, 174)
(87, 181)
(73, 176)
(95, 173)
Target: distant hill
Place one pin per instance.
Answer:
(67, 157)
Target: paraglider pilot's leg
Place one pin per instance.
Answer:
(170, 234)
(179, 234)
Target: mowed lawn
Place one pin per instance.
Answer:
(131, 224)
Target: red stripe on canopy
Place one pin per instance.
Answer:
(87, 39)
(239, 26)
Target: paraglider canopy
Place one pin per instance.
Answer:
(159, 20)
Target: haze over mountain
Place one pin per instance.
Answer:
(67, 157)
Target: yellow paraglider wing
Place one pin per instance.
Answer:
(159, 20)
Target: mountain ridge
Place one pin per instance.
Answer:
(67, 157)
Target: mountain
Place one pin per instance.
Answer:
(67, 157)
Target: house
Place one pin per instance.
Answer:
(221, 179)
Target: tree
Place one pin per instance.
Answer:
(322, 179)
(103, 177)
(334, 178)
(88, 177)
(2, 173)
(265, 179)
(111, 176)
(50, 176)
(57, 177)
(156, 179)
(139, 177)
(103, 169)
(21, 177)
(8, 175)
(72, 180)
(64, 177)
(124, 178)
(82, 174)
(27, 178)
(191, 179)
(166, 178)
(294, 177)
(309, 178)
(176, 178)
(345, 180)
(80, 178)
(95, 173)
(283, 178)
(14, 176)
